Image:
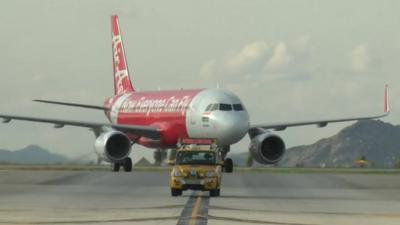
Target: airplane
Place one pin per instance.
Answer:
(167, 119)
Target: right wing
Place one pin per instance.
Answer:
(319, 123)
(144, 131)
(73, 104)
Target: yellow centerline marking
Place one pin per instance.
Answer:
(195, 210)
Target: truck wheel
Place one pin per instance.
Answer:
(128, 165)
(176, 192)
(228, 165)
(116, 167)
(214, 192)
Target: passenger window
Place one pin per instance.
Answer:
(237, 107)
(225, 107)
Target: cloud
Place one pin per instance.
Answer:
(249, 56)
(279, 59)
(260, 59)
(360, 59)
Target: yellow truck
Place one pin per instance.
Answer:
(196, 167)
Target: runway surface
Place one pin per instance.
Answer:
(99, 197)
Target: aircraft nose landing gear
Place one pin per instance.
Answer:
(228, 165)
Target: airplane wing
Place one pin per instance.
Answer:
(144, 131)
(320, 123)
(72, 104)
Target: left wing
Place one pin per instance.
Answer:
(321, 123)
(144, 131)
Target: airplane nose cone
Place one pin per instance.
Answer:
(231, 127)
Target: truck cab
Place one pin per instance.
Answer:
(196, 167)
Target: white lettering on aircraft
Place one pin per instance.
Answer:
(121, 72)
(145, 105)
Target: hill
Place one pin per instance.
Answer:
(31, 154)
(377, 141)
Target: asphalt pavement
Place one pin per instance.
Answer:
(101, 197)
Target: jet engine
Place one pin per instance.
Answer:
(113, 146)
(267, 148)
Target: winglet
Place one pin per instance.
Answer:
(386, 101)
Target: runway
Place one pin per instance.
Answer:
(100, 197)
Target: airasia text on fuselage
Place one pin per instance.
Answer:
(148, 105)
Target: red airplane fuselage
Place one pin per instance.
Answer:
(165, 110)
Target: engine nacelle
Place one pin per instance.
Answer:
(267, 148)
(113, 146)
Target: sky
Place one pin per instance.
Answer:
(287, 61)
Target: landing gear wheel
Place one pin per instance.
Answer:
(215, 192)
(176, 192)
(115, 167)
(128, 165)
(228, 165)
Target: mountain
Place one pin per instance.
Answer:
(377, 141)
(31, 154)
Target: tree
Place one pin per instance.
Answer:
(159, 156)
(249, 161)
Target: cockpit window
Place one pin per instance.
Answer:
(237, 107)
(208, 107)
(225, 107)
(214, 107)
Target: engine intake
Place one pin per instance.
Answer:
(267, 148)
(113, 146)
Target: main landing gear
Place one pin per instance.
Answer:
(126, 164)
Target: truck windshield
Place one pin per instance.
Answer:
(195, 158)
